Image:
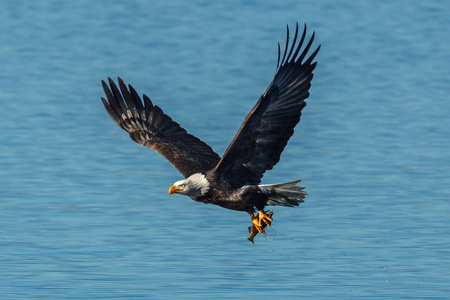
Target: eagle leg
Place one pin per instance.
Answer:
(261, 221)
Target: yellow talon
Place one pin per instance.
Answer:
(264, 218)
(261, 221)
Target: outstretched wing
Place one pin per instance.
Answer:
(267, 128)
(149, 126)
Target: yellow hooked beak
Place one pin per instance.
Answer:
(174, 189)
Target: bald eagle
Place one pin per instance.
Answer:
(233, 180)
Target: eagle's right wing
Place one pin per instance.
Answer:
(266, 130)
(149, 126)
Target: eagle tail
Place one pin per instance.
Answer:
(284, 194)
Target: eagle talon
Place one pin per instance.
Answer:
(257, 225)
(261, 221)
(264, 218)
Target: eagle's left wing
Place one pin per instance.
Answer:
(149, 126)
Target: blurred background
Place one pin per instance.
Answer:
(85, 213)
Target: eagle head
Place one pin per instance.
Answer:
(194, 186)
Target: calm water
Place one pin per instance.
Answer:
(84, 211)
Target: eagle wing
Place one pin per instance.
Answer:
(267, 128)
(149, 126)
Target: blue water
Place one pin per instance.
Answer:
(85, 213)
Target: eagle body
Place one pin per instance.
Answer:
(248, 197)
(245, 198)
(232, 181)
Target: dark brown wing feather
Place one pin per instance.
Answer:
(149, 126)
(267, 128)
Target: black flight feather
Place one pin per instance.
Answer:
(150, 127)
(268, 127)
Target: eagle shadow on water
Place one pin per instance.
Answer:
(233, 180)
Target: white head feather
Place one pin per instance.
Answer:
(194, 186)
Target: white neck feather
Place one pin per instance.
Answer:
(199, 183)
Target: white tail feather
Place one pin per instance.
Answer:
(284, 194)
